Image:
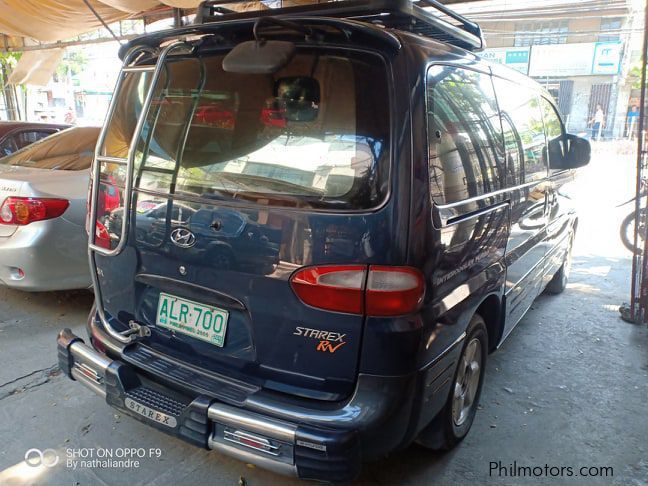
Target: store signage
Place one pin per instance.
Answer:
(513, 57)
(607, 58)
(582, 59)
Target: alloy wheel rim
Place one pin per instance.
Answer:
(467, 382)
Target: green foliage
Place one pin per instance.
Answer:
(8, 60)
(635, 75)
(72, 64)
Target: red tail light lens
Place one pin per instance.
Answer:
(336, 288)
(393, 291)
(358, 289)
(25, 210)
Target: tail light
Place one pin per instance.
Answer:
(393, 291)
(25, 210)
(336, 288)
(358, 289)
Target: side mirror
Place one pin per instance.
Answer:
(259, 57)
(569, 152)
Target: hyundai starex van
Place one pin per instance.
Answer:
(329, 216)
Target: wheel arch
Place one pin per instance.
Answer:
(490, 309)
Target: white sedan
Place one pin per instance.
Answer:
(43, 190)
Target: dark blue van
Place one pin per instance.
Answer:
(329, 216)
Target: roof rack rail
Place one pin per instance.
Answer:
(428, 18)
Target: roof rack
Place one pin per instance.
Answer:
(428, 18)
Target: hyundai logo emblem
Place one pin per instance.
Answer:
(183, 238)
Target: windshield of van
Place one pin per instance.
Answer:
(71, 149)
(313, 135)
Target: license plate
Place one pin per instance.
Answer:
(193, 319)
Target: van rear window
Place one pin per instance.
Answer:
(314, 135)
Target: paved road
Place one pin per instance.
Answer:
(568, 388)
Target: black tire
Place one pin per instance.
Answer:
(558, 283)
(627, 236)
(445, 431)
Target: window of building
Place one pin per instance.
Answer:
(541, 33)
(465, 140)
(610, 29)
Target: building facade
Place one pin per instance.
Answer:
(582, 51)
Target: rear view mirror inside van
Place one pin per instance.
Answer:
(259, 57)
(299, 98)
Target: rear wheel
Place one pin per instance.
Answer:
(453, 422)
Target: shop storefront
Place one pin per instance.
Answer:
(581, 76)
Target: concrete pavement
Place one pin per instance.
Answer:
(567, 389)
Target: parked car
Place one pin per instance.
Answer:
(43, 192)
(16, 135)
(412, 192)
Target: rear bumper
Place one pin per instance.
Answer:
(317, 443)
(51, 254)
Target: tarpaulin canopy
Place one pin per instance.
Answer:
(36, 67)
(58, 20)
(54, 20)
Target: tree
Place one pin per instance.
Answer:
(72, 64)
(8, 61)
(635, 76)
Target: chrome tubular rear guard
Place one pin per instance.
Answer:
(136, 330)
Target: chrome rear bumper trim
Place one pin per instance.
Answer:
(252, 422)
(89, 367)
(250, 457)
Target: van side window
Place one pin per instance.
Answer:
(552, 123)
(553, 129)
(514, 153)
(464, 134)
(521, 113)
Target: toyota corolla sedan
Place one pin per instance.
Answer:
(15, 135)
(43, 190)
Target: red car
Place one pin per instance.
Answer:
(214, 114)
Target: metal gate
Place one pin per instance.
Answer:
(565, 93)
(637, 312)
(600, 95)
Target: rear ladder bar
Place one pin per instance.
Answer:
(136, 330)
